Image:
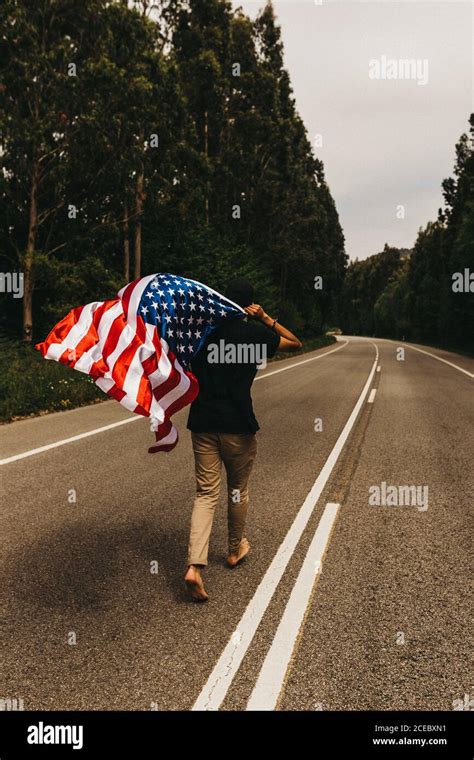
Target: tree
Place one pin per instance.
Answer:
(43, 47)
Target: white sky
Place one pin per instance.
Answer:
(386, 142)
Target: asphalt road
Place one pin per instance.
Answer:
(371, 614)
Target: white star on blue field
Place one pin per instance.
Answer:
(184, 313)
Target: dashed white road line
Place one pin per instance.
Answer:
(378, 368)
(275, 667)
(371, 398)
(136, 417)
(219, 681)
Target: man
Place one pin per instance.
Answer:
(223, 424)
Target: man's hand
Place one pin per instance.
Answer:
(288, 341)
(256, 311)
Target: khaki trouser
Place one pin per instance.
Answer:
(237, 452)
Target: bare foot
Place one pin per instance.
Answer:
(234, 559)
(195, 585)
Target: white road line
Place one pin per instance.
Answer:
(445, 361)
(63, 442)
(219, 681)
(378, 368)
(275, 667)
(54, 445)
(371, 398)
(298, 364)
(428, 353)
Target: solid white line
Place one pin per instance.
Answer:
(67, 440)
(298, 364)
(370, 400)
(219, 681)
(54, 445)
(456, 366)
(272, 675)
(415, 348)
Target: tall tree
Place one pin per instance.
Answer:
(43, 46)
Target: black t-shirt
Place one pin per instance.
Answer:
(225, 368)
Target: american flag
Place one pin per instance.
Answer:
(138, 347)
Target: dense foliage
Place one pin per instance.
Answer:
(137, 140)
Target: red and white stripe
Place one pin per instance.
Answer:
(110, 341)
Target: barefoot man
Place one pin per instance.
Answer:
(223, 425)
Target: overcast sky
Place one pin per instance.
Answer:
(386, 143)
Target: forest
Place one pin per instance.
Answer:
(135, 142)
(140, 137)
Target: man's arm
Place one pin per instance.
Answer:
(288, 341)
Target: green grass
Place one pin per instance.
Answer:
(30, 385)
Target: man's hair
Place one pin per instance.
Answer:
(240, 291)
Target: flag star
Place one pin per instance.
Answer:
(144, 310)
(190, 320)
(192, 306)
(212, 311)
(164, 304)
(180, 333)
(189, 334)
(170, 332)
(168, 318)
(200, 321)
(150, 294)
(167, 282)
(161, 293)
(155, 305)
(181, 348)
(178, 282)
(222, 313)
(197, 333)
(203, 308)
(189, 284)
(174, 304)
(200, 296)
(170, 291)
(181, 292)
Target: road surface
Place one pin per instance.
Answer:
(351, 606)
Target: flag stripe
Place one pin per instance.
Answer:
(138, 347)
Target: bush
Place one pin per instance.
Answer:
(29, 384)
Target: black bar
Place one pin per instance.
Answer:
(155, 734)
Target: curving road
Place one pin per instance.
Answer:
(351, 606)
